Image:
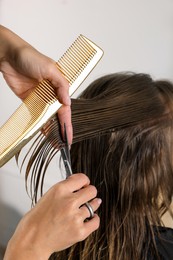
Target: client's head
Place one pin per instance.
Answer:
(123, 142)
(123, 126)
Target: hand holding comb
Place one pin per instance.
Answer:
(42, 103)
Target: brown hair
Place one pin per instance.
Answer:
(123, 141)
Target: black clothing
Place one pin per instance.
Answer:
(164, 242)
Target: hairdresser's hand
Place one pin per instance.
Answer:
(23, 67)
(57, 221)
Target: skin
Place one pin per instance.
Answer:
(58, 220)
(23, 67)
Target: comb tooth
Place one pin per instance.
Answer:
(87, 50)
(78, 54)
(80, 45)
(86, 44)
(49, 87)
(16, 129)
(77, 64)
(74, 60)
(80, 51)
(42, 103)
(45, 91)
(78, 61)
(68, 60)
(72, 57)
(31, 109)
(65, 67)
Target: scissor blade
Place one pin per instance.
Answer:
(67, 145)
(66, 162)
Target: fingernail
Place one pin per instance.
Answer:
(99, 201)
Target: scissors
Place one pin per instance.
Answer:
(65, 153)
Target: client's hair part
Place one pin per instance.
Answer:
(123, 141)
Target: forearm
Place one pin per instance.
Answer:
(20, 253)
(23, 246)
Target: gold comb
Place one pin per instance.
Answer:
(42, 103)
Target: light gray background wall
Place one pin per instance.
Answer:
(135, 35)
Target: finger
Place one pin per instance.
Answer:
(61, 85)
(86, 194)
(76, 182)
(64, 115)
(91, 225)
(95, 203)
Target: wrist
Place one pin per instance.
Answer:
(24, 244)
(21, 251)
(10, 44)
